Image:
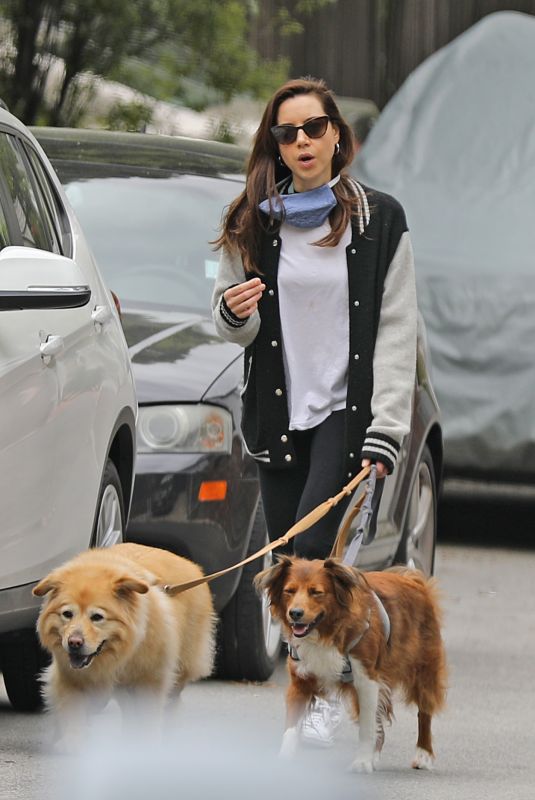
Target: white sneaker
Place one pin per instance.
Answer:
(321, 721)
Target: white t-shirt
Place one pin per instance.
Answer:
(313, 301)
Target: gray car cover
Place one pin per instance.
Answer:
(456, 146)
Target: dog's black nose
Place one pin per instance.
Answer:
(75, 642)
(296, 614)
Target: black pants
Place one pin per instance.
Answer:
(289, 494)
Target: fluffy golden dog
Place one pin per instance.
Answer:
(109, 625)
(361, 635)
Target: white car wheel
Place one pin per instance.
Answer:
(272, 628)
(110, 522)
(417, 549)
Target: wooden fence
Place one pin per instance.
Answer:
(366, 48)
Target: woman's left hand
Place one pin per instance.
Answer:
(382, 471)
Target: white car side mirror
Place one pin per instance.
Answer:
(32, 279)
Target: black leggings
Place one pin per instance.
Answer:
(289, 494)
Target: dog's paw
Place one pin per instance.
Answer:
(68, 745)
(423, 760)
(290, 742)
(363, 763)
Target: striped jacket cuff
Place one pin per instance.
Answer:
(229, 317)
(380, 447)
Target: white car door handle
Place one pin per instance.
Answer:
(101, 314)
(52, 347)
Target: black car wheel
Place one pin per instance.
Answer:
(417, 547)
(21, 661)
(110, 521)
(248, 637)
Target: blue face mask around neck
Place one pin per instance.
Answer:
(303, 209)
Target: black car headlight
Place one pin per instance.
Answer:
(184, 429)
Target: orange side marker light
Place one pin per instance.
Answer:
(212, 490)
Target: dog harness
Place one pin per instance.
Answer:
(346, 676)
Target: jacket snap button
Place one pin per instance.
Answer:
(352, 455)
(275, 242)
(278, 392)
(353, 408)
(284, 438)
(353, 251)
(349, 474)
(271, 292)
(356, 304)
(274, 343)
(356, 356)
(288, 457)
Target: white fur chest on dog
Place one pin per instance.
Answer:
(323, 662)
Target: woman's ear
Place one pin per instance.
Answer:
(336, 130)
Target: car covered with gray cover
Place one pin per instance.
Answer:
(456, 146)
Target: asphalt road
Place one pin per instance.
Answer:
(227, 734)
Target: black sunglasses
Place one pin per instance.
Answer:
(287, 134)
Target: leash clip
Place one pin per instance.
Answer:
(362, 535)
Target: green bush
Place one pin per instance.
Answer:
(133, 116)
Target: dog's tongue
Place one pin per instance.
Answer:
(299, 630)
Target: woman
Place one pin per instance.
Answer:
(316, 281)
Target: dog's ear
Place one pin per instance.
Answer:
(345, 580)
(271, 579)
(127, 584)
(49, 584)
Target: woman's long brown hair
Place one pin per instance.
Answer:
(244, 223)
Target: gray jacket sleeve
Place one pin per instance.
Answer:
(394, 361)
(231, 272)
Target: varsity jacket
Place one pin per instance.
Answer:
(382, 339)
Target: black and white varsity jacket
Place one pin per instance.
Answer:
(382, 336)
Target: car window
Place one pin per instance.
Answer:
(151, 235)
(54, 210)
(34, 230)
(4, 231)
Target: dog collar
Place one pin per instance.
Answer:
(346, 676)
(385, 619)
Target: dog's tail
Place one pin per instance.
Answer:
(409, 572)
(428, 583)
(429, 694)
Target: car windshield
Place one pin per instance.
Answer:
(151, 233)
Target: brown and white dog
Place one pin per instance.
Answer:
(341, 640)
(109, 627)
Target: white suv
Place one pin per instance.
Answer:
(67, 401)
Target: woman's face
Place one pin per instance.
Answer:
(310, 160)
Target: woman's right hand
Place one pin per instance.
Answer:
(243, 298)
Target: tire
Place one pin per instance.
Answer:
(21, 657)
(110, 519)
(417, 547)
(248, 638)
(21, 660)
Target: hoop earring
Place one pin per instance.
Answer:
(279, 159)
(336, 149)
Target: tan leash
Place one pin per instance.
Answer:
(300, 526)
